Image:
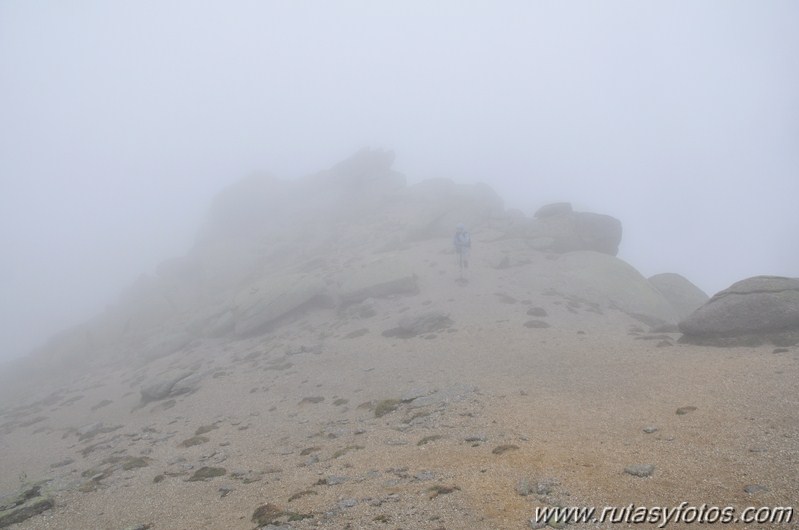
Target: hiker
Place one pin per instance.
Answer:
(463, 243)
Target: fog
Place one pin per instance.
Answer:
(120, 121)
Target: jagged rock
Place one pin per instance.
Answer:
(170, 385)
(750, 312)
(377, 279)
(684, 296)
(262, 304)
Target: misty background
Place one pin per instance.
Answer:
(119, 121)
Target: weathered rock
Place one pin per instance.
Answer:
(221, 325)
(413, 325)
(170, 385)
(550, 210)
(537, 312)
(750, 312)
(684, 296)
(24, 505)
(755, 488)
(597, 280)
(358, 184)
(640, 470)
(262, 304)
(166, 345)
(598, 232)
(434, 207)
(89, 431)
(378, 279)
(525, 487)
(538, 324)
(560, 230)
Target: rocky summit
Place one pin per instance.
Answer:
(321, 359)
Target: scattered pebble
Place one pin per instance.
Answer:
(640, 470)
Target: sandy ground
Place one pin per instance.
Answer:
(569, 403)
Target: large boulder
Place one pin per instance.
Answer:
(557, 228)
(750, 312)
(684, 296)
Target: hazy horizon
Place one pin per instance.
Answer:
(122, 121)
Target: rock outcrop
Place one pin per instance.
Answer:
(271, 250)
(750, 312)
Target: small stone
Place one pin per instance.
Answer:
(685, 410)
(347, 503)
(224, 491)
(62, 463)
(755, 488)
(524, 487)
(205, 473)
(649, 429)
(545, 487)
(537, 312)
(640, 470)
(500, 449)
(424, 475)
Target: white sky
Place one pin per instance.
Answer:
(120, 120)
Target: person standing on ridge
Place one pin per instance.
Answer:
(463, 244)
